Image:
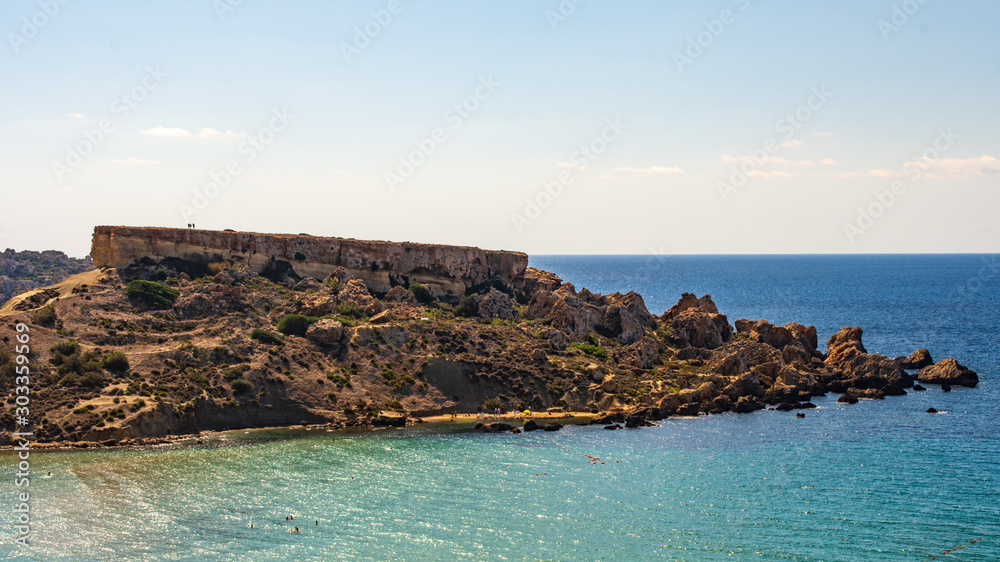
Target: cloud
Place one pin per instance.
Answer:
(77, 115)
(204, 133)
(167, 132)
(770, 160)
(572, 166)
(822, 134)
(962, 167)
(132, 161)
(607, 177)
(875, 173)
(655, 170)
(792, 143)
(763, 174)
(828, 162)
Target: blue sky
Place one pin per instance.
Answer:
(706, 127)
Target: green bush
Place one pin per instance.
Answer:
(334, 283)
(264, 336)
(45, 316)
(90, 378)
(241, 385)
(65, 348)
(115, 361)
(155, 295)
(422, 293)
(468, 307)
(295, 324)
(590, 349)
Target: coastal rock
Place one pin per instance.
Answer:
(844, 346)
(848, 398)
(775, 336)
(552, 426)
(705, 392)
(668, 406)
(917, 360)
(531, 425)
(734, 364)
(744, 326)
(642, 354)
(621, 324)
(495, 427)
(696, 327)
(325, 331)
(747, 385)
(948, 371)
(563, 310)
(868, 370)
(394, 419)
(747, 404)
(688, 301)
(536, 279)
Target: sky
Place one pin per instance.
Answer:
(545, 126)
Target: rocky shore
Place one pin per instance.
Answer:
(143, 353)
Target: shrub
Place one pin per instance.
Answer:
(492, 404)
(264, 336)
(155, 295)
(422, 293)
(241, 385)
(590, 349)
(90, 378)
(295, 324)
(334, 284)
(115, 361)
(158, 275)
(45, 316)
(467, 306)
(65, 348)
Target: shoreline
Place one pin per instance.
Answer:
(153, 443)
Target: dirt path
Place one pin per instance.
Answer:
(65, 287)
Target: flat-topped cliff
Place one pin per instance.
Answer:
(448, 270)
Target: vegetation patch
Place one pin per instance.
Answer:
(264, 336)
(295, 324)
(590, 349)
(155, 295)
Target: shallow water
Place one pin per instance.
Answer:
(880, 480)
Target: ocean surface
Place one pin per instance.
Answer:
(879, 480)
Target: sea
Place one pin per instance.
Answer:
(878, 480)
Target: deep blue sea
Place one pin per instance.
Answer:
(879, 480)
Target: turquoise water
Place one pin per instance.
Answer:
(880, 480)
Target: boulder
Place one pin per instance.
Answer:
(531, 425)
(795, 352)
(689, 409)
(399, 295)
(539, 355)
(496, 305)
(917, 360)
(747, 404)
(642, 354)
(688, 301)
(668, 406)
(495, 427)
(744, 326)
(622, 325)
(381, 317)
(355, 295)
(696, 327)
(746, 384)
(844, 346)
(775, 336)
(325, 331)
(706, 392)
(552, 426)
(948, 371)
(734, 364)
(397, 419)
(848, 398)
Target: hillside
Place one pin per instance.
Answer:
(21, 271)
(125, 354)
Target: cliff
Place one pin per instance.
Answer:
(448, 270)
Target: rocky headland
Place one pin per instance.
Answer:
(181, 331)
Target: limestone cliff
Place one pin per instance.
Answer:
(381, 265)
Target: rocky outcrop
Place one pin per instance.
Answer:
(948, 371)
(917, 360)
(495, 305)
(564, 310)
(449, 270)
(689, 300)
(697, 327)
(325, 332)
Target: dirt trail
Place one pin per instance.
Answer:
(65, 287)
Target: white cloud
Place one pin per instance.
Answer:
(572, 166)
(984, 164)
(792, 143)
(770, 160)
(763, 174)
(656, 170)
(77, 115)
(167, 132)
(607, 177)
(822, 134)
(132, 161)
(204, 133)
(828, 162)
(875, 173)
